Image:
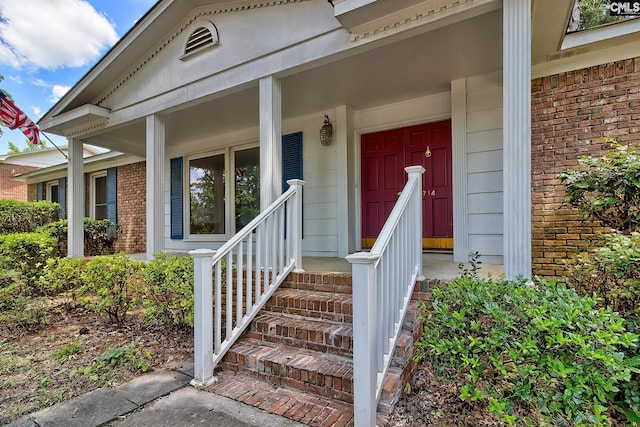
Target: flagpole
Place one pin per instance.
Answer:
(54, 144)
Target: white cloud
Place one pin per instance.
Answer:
(37, 112)
(52, 33)
(58, 92)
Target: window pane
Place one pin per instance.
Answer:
(100, 197)
(206, 188)
(101, 212)
(247, 186)
(53, 193)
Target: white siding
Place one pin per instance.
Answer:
(484, 166)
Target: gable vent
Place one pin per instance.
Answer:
(205, 35)
(199, 38)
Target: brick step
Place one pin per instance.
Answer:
(324, 282)
(327, 375)
(297, 405)
(333, 306)
(300, 332)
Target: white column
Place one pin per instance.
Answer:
(459, 142)
(155, 184)
(517, 137)
(75, 202)
(270, 141)
(340, 130)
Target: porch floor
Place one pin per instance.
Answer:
(434, 266)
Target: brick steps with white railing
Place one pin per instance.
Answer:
(300, 344)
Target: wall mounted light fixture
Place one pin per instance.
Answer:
(326, 132)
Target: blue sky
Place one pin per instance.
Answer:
(46, 46)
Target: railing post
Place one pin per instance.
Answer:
(203, 317)
(363, 265)
(415, 172)
(297, 223)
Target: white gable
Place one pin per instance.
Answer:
(166, 67)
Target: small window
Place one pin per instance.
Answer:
(52, 192)
(203, 36)
(99, 196)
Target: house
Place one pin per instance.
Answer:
(14, 164)
(227, 100)
(114, 189)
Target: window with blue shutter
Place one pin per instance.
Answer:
(291, 158)
(112, 195)
(176, 198)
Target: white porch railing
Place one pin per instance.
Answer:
(256, 261)
(383, 281)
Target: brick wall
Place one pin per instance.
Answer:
(32, 192)
(572, 113)
(12, 189)
(132, 208)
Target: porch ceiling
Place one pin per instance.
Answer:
(418, 66)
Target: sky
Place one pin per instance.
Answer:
(47, 46)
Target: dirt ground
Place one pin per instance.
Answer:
(62, 360)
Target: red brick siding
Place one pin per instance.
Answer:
(132, 208)
(13, 189)
(572, 113)
(32, 192)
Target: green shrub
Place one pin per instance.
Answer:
(25, 314)
(26, 253)
(25, 217)
(62, 275)
(110, 284)
(11, 287)
(611, 271)
(168, 291)
(100, 236)
(608, 188)
(534, 353)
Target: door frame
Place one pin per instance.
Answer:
(397, 125)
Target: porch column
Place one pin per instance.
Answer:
(155, 184)
(75, 202)
(516, 51)
(270, 141)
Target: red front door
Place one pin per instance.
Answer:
(384, 156)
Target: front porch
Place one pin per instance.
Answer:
(435, 266)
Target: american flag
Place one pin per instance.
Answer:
(15, 118)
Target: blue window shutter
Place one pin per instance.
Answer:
(112, 195)
(176, 200)
(39, 191)
(291, 158)
(62, 196)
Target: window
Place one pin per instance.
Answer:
(213, 180)
(99, 196)
(52, 192)
(207, 195)
(247, 186)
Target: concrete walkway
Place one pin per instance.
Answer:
(162, 398)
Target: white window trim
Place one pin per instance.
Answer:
(232, 192)
(186, 209)
(229, 188)
(92, 191)
(49, 186)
